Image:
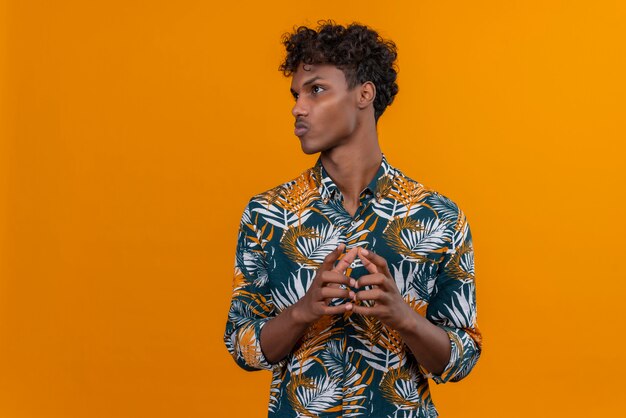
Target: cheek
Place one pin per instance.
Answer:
(337, 115)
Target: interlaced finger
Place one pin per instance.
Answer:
(348, 258)
(375, 295)
(376, 279)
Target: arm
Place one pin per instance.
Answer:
(250, 312)
(428, 343)
(448, 343)
(249, 307)
(453, 307)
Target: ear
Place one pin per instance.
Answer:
(366, 94)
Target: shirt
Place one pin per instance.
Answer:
(352, 365)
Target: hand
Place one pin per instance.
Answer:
(325, 286)
(388, 305)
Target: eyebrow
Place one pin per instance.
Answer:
(306, 83)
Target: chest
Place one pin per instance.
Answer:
(411, 243)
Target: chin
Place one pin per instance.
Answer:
(309, 148)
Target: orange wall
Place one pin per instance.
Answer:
(133, 134)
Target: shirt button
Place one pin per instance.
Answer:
(353, 265)
(350, 349)
(353, 223)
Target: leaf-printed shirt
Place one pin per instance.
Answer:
(351, 365)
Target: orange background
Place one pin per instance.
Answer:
(134, 133)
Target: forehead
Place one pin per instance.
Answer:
(322, 72)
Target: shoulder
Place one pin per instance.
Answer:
(305, 183)
(443, 207)
(288, 204)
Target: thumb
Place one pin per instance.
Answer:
(373, 262)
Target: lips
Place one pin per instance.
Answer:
(301, 128)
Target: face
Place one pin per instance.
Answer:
(325, 110)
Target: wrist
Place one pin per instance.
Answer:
(408, 321)
(298, 317)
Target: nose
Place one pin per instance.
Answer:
(299, 109)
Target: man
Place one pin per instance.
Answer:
(353, 283)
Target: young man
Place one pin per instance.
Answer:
(353, 283)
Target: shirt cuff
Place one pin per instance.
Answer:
(248, 351)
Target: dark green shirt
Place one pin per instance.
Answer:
(351, 365)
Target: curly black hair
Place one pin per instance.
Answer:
(357, 50)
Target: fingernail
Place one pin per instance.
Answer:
(348, 306)
(364, 251)
(352, 282)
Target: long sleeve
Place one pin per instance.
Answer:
(453, 304)
(250, 306)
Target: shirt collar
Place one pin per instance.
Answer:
(379, 186)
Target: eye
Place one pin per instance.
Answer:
(295, 96)
(317, 89)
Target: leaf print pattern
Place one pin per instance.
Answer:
(408, 193)
(415, 240)
(278, 375)
(308, 246)
(445, 208)
(351, 365)
(354, 383)
(462, 264)
(291, 291)
(399, 387)
(312, 396)
(313, 342)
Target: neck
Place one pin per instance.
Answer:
(353, 165)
